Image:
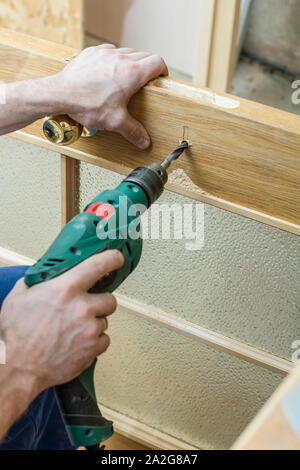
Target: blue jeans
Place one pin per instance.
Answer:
(41, 426)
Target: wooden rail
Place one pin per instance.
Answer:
(277, 425)
(217, 43)
(245, 157)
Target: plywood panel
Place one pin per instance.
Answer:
(58, 21)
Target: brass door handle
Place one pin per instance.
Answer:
(63, 130)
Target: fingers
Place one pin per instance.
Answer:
(102, 325)
(101, 305)
(103, 344)
(107, 46)
(125, 50)
(139, 55)
(153, 67)
(134, 132)
(87, 273)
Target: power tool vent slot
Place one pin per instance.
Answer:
(52, 261)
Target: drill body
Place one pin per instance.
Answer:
(110, 221)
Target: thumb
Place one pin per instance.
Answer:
(87, 273)
(134, 132)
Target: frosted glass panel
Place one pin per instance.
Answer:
(30, 209)
(179, 386)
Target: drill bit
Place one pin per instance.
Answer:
(175, 154)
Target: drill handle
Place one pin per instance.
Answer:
(83, 420)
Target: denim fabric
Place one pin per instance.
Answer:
(41, 426)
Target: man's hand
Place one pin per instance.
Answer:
(99, 83)
(53, 331)
(94, 89)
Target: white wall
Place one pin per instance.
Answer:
(166, 27)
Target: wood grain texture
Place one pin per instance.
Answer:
(205, 41)
(58, 21)
(271, 428)
(68, 180)
(217, 43)
(245, 157)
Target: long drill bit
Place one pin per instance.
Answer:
(175, 154)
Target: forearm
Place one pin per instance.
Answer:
(27, 101)
(17, 391)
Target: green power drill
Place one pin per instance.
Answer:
(106, 223)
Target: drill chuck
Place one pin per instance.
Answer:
(151, 178)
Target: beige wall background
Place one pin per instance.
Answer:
(242, 284)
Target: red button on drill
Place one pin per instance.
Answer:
(101, 210)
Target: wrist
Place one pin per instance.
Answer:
(18, 387)
(37, 97)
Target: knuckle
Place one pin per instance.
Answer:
(67, 289)
(158, 58)
(61, 292)
(83, 310)
(92, 330)
(132, 67)
(103, 323)
(159, 62)
(115, 120)
(117, 255)
(107, 44)
(120, 56)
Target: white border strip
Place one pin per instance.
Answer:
(182, 327)
(11, 258)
